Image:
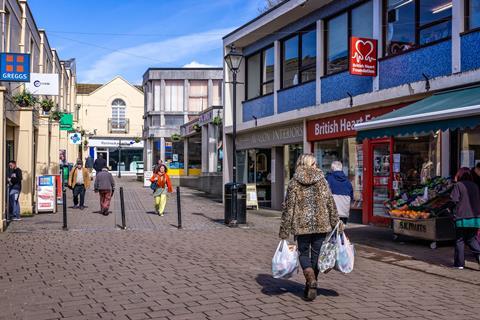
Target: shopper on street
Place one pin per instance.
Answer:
(466, 195)
(105, 186)
(15, 187)
(99, 163)
(476, 174)
(163, 186)
(342, 190)
(79, 182)
(309, 213)
(89, 165)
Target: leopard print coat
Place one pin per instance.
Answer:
(309, 206)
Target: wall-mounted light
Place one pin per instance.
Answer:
(427, 82)
(255, 118)
(351, 99)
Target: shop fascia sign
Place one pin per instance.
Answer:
(271, 137)
(363, 57)
(14, 67)
(207, 117)
(114, 143)
(344, 125)
(43, 84)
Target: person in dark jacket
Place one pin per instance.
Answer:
(15, 187)
(466, 195)
(105, 186)
(99, 163)
(308, 213)
(476, 174)
(342, 190)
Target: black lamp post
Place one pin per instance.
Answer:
(234, 60)
(119, 156)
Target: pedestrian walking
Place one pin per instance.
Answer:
(476, 174)
(89, 166)
(163, 185)
(309, 213)
(14, 187)
(105, 186)
(466, 195)
(341, 189)
(99, 163)
(159, 163)
(79, 182)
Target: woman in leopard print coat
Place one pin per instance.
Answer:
(309, 213)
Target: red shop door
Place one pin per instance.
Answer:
(378, 177)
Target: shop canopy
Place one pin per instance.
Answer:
(454, 109)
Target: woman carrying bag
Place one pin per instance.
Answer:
(161, 184)
(309, 213)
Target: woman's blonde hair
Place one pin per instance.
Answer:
(307, 160)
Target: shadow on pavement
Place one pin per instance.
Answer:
(219, 221)
(275, 287)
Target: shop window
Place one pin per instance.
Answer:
(198, 95)
(412, 23)
(260, 73)
(358, 22)
(472, 13)
(118, 114)
(350, 154)
(174, 95)
(174, 121)
(470, 148)
(299, 55)
(217, 92)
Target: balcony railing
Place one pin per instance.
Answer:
(118, 125)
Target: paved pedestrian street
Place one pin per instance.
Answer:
(95, 270)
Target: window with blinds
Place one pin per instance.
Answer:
(118, 114)
(198, 95)
(217, 93)
(174, 95)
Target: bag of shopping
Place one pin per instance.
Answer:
(328, 252)
(345, 254)
(285, 260)
(153, 186)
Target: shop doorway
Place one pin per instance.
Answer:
(254, 167)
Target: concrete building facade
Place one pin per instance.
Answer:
(180, 98)
(111, 119)
(297, 94)
(27, 134)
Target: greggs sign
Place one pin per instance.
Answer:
(344, 125)
(363, 57)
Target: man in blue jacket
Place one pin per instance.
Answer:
(342, 190)
(15, 187)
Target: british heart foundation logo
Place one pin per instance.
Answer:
(363, 57)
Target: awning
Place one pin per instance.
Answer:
(454, 109)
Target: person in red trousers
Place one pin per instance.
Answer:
(105, 186)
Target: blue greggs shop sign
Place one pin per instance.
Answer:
(15, 67)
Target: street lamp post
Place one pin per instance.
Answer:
(233, 60)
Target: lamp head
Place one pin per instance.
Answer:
(233, 59)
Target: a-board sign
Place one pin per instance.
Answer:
(146, 178)
(252, 200)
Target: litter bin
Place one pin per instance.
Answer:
(241, 203)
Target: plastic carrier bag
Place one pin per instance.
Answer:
(345, 254)
(328, 253)
(285, 260)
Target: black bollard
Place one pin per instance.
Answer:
(122, 209)
(64, 204)
(179, 209)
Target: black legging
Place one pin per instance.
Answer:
(309, 246)
(465, 236)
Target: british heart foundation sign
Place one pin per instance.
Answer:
(363, 57)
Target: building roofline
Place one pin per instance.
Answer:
(180, 68)
(256, 18)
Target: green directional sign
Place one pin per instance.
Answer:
(66, 122)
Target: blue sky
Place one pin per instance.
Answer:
(125, 37)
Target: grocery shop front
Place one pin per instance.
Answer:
(410, 155)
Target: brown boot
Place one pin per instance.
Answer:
(311, 285)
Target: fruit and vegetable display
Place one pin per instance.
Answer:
(429, 200)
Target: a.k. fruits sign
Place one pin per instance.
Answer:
(14, 67)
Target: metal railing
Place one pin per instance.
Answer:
(118, 125)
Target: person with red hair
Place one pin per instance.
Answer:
(466, 195)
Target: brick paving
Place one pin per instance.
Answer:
(204, 271)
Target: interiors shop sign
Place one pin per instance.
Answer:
(343, 125)
(268, 138)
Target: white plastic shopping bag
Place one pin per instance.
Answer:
(328, 252)
(345, 254)
(285, 260)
